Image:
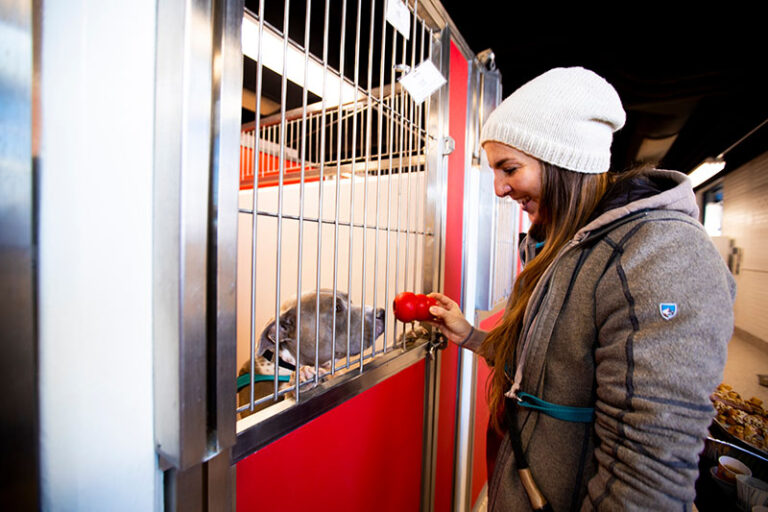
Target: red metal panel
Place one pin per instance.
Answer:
(269, 173)
(363, 455)
(479, 471)
(457, 83)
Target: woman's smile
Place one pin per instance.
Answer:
(516, 175)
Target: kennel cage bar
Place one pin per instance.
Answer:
(393, 110)
(281, 171)
(352, 191)
(365, 185)
(297, 387)
(255, 205)
(342, 48)
(321, 139)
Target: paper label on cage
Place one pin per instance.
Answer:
(422, 81)
(399, 17)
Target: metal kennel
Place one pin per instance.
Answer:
(346, 183)
(374, 145)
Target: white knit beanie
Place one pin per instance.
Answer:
(566, 117)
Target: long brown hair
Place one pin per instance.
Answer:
(568, 200)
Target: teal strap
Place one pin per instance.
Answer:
(561, 412)
(245, 379)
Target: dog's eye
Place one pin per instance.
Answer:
(339, 307)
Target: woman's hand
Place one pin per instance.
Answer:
(451, 321)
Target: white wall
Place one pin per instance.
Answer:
(96, 427)
(745, 219)
(267, 247)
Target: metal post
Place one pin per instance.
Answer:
(19, 64)
(437, 171)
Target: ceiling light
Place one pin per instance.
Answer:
(711, 166)
(272, 56)
(705, 170)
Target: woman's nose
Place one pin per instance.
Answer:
(501, 187)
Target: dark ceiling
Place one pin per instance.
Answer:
(691, 87)
(703, 81)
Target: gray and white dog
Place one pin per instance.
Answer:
(343, 309)
(293, 332)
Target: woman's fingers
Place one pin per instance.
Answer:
(443, 300)
(437, 311)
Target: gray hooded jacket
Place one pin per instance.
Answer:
(633, 319)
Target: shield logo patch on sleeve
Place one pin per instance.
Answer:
(668, 310)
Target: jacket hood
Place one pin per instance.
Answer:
(675, 193)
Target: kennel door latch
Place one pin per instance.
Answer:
(447, 145)
(438, 342)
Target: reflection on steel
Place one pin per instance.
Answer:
(222, 224)
(20, 29)
(496, 247)
(183, 140)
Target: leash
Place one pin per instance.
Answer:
(538, 502)
(245, 379)
(560, 412)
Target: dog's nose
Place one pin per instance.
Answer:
(380, 314)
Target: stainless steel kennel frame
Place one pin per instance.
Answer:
(198, 97)
(376, 141)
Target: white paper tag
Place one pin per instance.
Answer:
(399, 17)
(422, 81)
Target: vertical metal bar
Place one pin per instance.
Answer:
(316, 131)
(436, 199)
(182, 156)
(466, 378)
(303, 143)
(410, 121)
(257, 163)
(338, 174)
(321, 186)
(223, 204)
(378, 176)
(368, 111)
(401, 119)
(422, 177)
(281, 170)
(331, 123)
(390, 137)
(352, 181)
(220, 484)
(429, 262)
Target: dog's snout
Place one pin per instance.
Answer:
(380, 314)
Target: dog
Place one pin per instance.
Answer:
(293, 333)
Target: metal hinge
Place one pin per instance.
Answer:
(447, 145)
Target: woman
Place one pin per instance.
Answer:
(615, 334)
